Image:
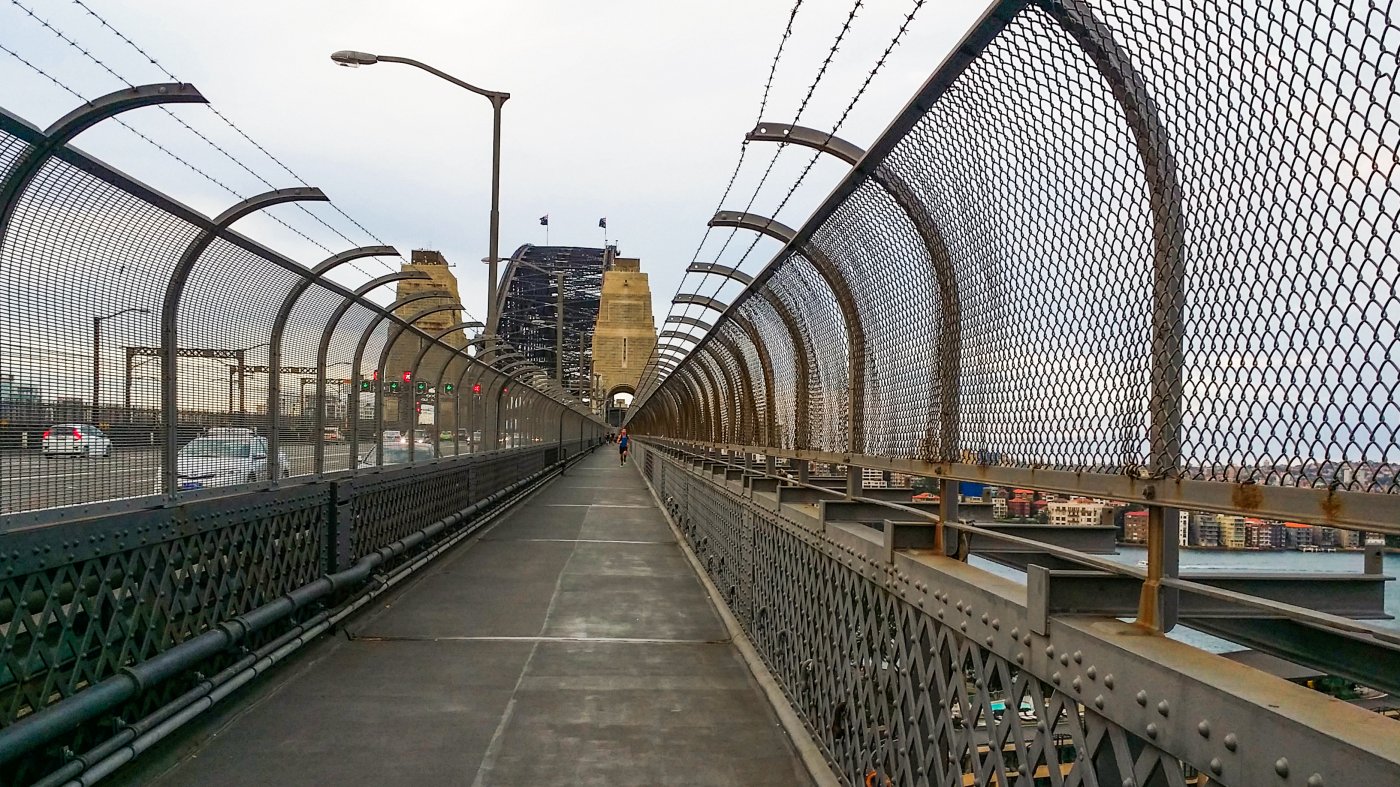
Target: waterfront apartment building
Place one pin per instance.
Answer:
(1079, 511)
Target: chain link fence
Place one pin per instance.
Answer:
(1147, 242)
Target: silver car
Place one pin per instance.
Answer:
(76, 440)
(226, 457)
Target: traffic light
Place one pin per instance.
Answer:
(364, 385)
(421, 386)
(376, 375)
(448, 387)
(476, 389)
(393, 386)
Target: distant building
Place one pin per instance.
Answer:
(1135, 527)
(1232, 531)
(1079, 511)
(1205, 530)
(1297, 535)
(1263, 534)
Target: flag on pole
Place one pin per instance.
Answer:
(544, 220)
(603, 223)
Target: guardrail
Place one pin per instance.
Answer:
(113, 628)
(909, 666)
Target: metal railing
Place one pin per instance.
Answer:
(911, 667)
(165, 538)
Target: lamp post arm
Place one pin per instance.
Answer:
(494, 95)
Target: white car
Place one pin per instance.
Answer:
(397, 453)
(76, 440)
(224, 457)
(393, 436)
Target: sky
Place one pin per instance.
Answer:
(634, 111)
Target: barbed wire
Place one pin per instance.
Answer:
(651, 380)
(738, 165)
(103, 22)
(89, 55)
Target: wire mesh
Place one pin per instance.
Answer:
(88, 255)
(1119, 240)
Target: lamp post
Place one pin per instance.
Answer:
(97, 356)
(352, 59)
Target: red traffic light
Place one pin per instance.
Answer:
(476, 389)
(408, 377)
(376, 375)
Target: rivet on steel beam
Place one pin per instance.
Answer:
(996, 624)
(1016, 632)
(1203, 728)
(1315, 780)
(1108, 681)
(1281, 766)
(1163, 708)
(1098, 702)
(1050, 651)
(1152, 731)
(963, 626)
(990, 640)
(1075, 683)
(1021, 658)
(1142, 698)
(1056, 677)
(1216, 766)
(1092, 673)
(1078, 657)
(1064, 659)
(985, 618)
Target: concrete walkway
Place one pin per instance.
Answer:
(571, 644)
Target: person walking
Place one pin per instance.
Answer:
(623, 443)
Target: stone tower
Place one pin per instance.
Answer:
(406, 347)
(626, 332)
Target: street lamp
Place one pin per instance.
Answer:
(97, 356)
(352, 59)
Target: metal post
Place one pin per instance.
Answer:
(493, 315)
(126, 386)
(96, 367)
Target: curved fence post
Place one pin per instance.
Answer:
(352, 411)
(411, 393)
(765, 362)
(170, 316)
(279, 327)
(1157, 607)
(845, 301)
(389, 311)
(943, 416)
(61, 131)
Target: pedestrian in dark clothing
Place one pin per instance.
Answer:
(623, 442)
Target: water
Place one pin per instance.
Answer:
(1203, 561)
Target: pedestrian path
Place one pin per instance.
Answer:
(570, 644)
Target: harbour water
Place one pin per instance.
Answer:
(1202, 561)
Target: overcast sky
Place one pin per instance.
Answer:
(622, 109)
